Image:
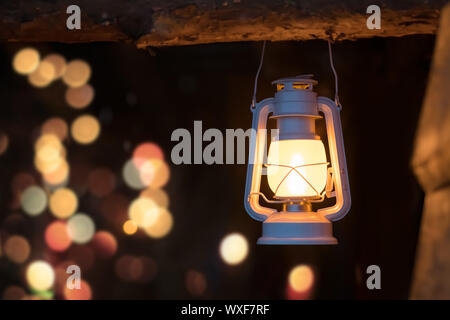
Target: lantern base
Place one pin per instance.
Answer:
(297, 228)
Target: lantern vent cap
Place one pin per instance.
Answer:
(300, 82)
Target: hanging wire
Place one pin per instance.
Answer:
(252, 107)
(336, 92)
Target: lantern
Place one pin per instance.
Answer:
(299, 172)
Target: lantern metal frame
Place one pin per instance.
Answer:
(295, 108)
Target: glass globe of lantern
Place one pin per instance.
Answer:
(297, 168)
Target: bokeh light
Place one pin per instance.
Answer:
(49, 153)
(105, 244)
(162, 226)
(101, 182)
(48, 141)
(144, 212)
(19, 183)
(55, 126)
(149, 269)
(83, 293)
(40, 275)
(131, 176)
(46, 70)
(57, 236)
(146, 151)
(159, 196)
(130, 227)
(63, 203)
(80, 97)
(4, 142)
(14, 293)
(72, 238)
(77, 73)
(61, 275)
(33, 200)
(301, 278)
(233, 248)
(26, 61)
(58, 62)
(17, 249)
(81, 228)
(42, 76)
(129, 268)
(195, 283)
(59, 175)
(154, 173)
(85, 129)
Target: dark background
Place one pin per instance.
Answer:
(144, 96)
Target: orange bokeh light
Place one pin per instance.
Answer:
(55, 126)
(105, 244)
(57, 236)
(130, 227)
(300, 282)
(83, 293)
(146, 151)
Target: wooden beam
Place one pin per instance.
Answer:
(431, 164)
(188, 22)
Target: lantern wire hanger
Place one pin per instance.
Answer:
(336, 90)
(252, 107)
(330, 53)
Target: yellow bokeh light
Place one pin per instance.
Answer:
(33, 200)
(47, 140)
(80, 97)
(144, 212)
(17, 249)
(130, 227)
(77, 73)
(85, 129)
(48, 164)
(49, 153)
(301, 278)
(154, 173)
(46, 70)
(26, 61)
(40, 275)
(59, 175)
(158, 195)
(58, 62)
(233, 248)
(81, 228)
(63, 203)
(36, 80)
(161, 227)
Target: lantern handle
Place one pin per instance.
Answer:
(338, 162)
(258, 144)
